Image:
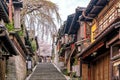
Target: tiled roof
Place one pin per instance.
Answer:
(93, 9)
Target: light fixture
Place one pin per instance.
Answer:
(79, 48)
(94, 54)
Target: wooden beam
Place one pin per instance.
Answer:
(97, 6)
(101, 56)
(115, 57)
(91, 14)
(111, 68)
(4, 47)
(111, 41)
(93, 49)
(116, 43)
(119, 33)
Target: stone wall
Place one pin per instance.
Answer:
(11, 69)
(16, 68)
(21, 69)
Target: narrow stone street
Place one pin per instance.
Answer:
(46, 71)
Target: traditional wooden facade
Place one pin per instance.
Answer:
(12, 48)
(100, 60)
(7, 49)
(67, 42)
(83, 41)
(64, 41)
(73, 62)
(18, 61)
(6, 46)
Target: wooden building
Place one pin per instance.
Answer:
(12, 48)
(100, 60)
(73, 62)
(6, 46)
(67, 42)
(18, 69)
(64, 41)
(7, 49)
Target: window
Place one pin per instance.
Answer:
(115, 51)
(116, 71)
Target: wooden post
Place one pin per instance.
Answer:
(0, 67)
(119, 33)
(111, 68)
(89, 71)
(80, 68)
(10, 10)
(2, 74)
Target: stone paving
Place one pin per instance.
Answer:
(46, 71)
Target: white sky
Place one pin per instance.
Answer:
(67, 7)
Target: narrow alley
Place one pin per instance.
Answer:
(59, 39)
(46, 71)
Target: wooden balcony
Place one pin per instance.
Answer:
(112, 16)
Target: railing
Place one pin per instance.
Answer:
(108, 19)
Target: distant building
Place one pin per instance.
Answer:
(44, 51)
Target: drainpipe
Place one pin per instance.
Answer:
(10, 10)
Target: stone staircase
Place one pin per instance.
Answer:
(46, 71)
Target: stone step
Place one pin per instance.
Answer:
(46, 71)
